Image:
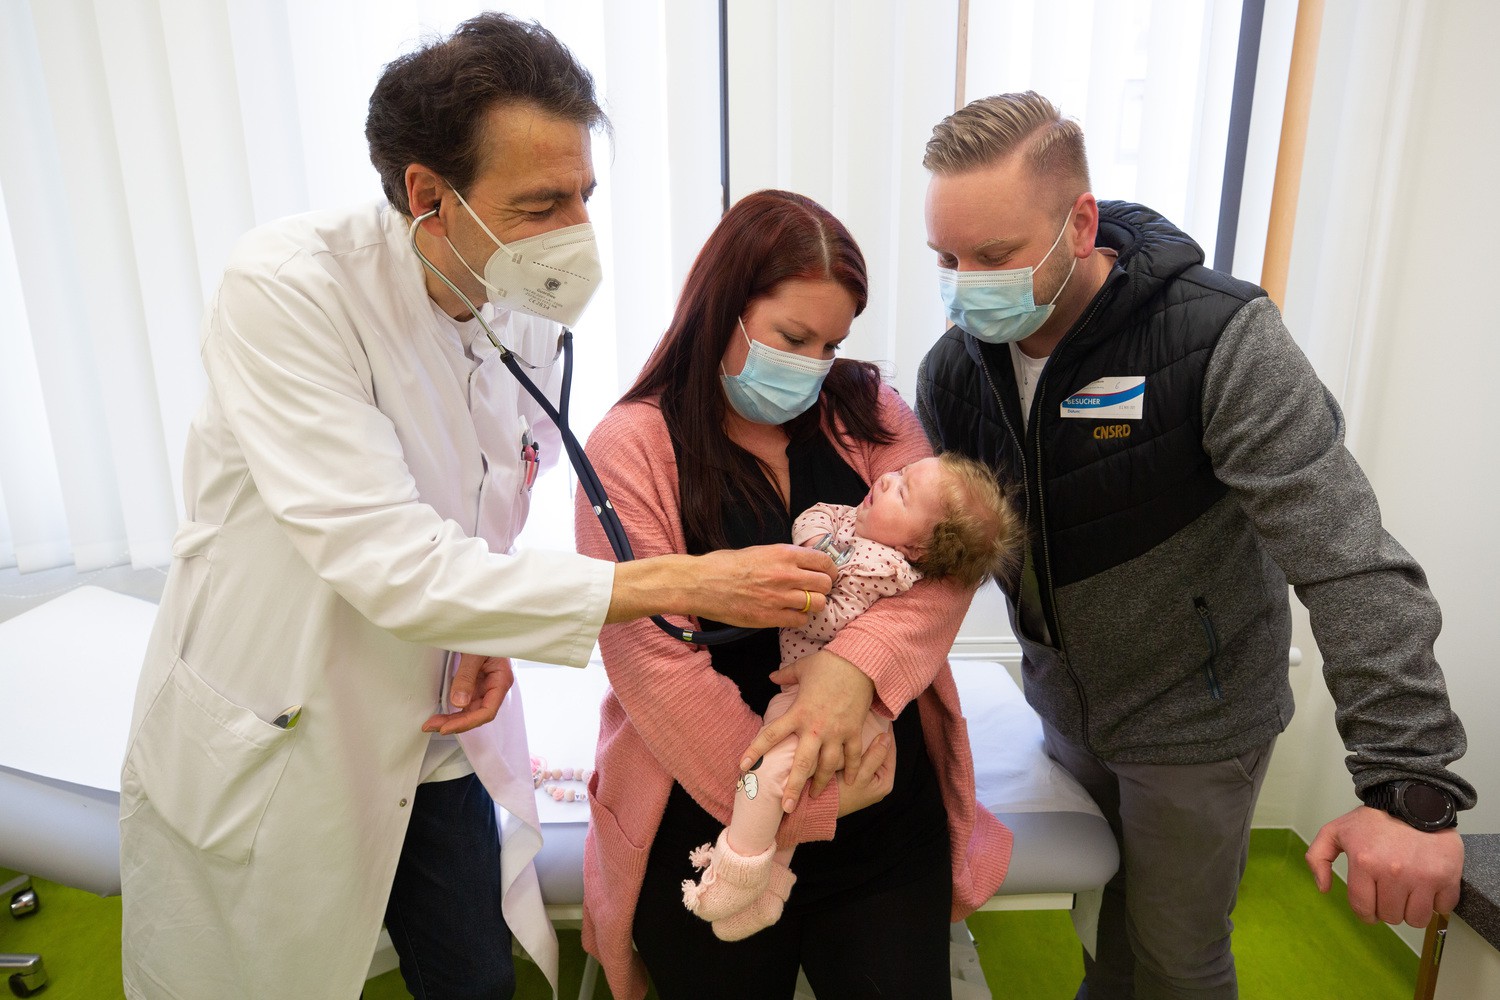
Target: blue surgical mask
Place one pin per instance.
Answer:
(774, 386)
(997, 307)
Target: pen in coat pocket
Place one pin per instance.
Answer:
(531, 459)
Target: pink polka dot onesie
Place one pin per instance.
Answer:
(870, 571)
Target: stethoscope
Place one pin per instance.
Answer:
(609, 520)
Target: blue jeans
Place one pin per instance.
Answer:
(444, 912)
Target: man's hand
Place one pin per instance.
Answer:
(1396, 873)
(828, 719)
(764, 586)
(874, 779)
(477, 689)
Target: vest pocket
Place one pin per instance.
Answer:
(207, 765)
(1210, 673)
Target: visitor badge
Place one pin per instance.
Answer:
(1113, 397)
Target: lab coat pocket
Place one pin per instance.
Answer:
(207, 765)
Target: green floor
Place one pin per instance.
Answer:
(1290, 942)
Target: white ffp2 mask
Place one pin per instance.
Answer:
(552, 275)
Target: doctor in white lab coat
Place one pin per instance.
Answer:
(354, 483)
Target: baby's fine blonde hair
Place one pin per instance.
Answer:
(979, 534)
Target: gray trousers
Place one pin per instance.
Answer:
(1184, 836)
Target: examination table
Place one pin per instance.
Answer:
(68, 669)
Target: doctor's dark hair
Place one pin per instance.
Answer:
(429, 106)
(767, 238)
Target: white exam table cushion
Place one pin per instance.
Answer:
(69, 669)
(73, 660)
(1062, 843)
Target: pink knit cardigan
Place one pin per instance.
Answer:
(669, 716)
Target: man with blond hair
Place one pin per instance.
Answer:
(1178, 463)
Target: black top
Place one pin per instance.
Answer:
(902, 837)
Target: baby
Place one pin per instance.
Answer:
(939, 517)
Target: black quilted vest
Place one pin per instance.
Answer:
(1096, 497)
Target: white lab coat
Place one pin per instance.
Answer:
(348, 511)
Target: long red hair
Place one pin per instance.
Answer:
(767, 237)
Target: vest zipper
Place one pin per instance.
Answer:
(1210, 674)
(984, 369)
(1037, 409)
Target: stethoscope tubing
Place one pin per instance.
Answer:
(588, 478)
(593, 489)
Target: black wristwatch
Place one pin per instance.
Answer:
(1426, 807)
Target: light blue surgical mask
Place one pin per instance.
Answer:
(774, 386)
(997, 307)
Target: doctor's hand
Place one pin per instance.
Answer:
(828, 719)
(479, 686)
(1396, 873)
(764, 586)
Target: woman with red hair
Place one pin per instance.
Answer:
(741, 419)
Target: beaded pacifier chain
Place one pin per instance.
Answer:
(541, 773)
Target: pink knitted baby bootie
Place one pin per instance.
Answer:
(730, 882)
(762, 913)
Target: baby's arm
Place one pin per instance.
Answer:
(872, 571)
(813, 523)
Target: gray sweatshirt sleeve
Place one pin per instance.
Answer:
(1276, 439)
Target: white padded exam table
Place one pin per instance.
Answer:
(1063, 853)
(68, 669)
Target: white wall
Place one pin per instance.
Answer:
(1431, 450)
(1419, 404)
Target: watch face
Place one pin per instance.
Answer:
(1426, 804)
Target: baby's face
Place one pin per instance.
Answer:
(904, 507)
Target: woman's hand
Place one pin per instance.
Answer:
(873, 782)
(828, 719)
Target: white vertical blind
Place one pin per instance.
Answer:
(1151, 88)
(639, 285)
(658, 198)
(264, 90)
(30, 490)
(215, 168)
(160, 271)
(1358, 128)
(59, 298)
(143, 137)
(94, 102)
(835, 99)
